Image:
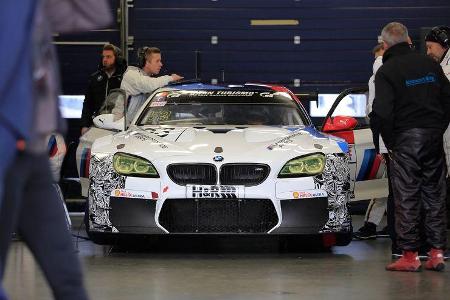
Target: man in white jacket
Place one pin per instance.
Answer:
(377, 52)
(438, 44)
(377, 206)
(138, 82)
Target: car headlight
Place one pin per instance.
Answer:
(308, 165)
(126, 164)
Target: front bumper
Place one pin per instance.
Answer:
(320, 205)
(218, 216)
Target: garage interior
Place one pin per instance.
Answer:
(310, 46)
(232, 269)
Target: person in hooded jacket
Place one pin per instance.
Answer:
(411, 111)
(107, 77)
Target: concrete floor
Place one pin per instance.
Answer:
(352, 272)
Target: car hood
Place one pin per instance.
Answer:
(231, 141)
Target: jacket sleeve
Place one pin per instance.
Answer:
(135, 83)
(382, 117)
(446, 70)
(74, 15)
(377, 64)
(88, 107)
(445, 94)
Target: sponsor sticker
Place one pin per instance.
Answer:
(134, 194)
(266, 94)
(309, 194)
(352, 153)
(158, 103)
(285, 141)
(214, 191)
(159, 100)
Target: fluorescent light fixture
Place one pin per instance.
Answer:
(71, 106)
(274, 22)
(351, 106)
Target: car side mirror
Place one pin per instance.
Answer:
(115, 103)
(106, 121)
(339, 123)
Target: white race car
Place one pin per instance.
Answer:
(203, 159)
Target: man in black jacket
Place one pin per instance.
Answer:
(107, 77)
(411, 111)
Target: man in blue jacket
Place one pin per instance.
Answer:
(2, 294)
(29, 87)
(15, 77)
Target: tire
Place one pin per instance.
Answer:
(344, 239)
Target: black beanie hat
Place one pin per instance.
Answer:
(440, 35)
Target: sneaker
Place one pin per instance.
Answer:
(383, 233)
(367, 232)
(409, 262)
(435, 260)
(423, 253)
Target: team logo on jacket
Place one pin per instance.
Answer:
(99, 78)
(218, 158)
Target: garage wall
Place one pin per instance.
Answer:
(80, 54)
(335, 37)
(333, 49)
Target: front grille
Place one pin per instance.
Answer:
(183, 174)
(218, 215)
(243, 174)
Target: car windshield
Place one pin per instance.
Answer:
(222, 107)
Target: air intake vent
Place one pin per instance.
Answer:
(183, 174)
(218, 215)
(243, 174)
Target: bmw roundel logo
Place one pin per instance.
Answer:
(218, 158)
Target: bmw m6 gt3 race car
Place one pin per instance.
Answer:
(202, 159)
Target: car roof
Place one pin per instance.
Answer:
(241, 87)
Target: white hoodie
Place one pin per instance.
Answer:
(376, 65)
(445, 64)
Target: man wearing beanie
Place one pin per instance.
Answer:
(437, 43)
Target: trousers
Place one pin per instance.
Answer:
(418, 174)
(31, 206)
